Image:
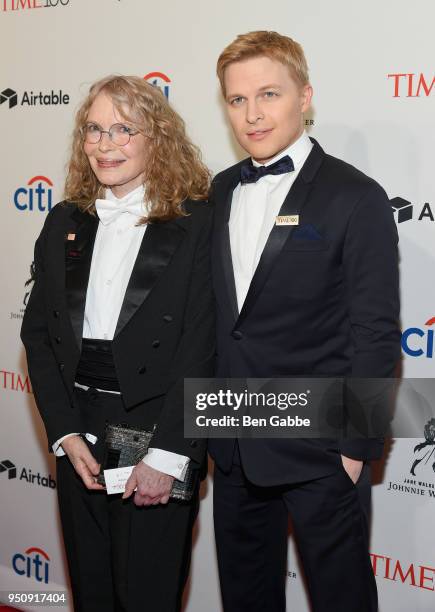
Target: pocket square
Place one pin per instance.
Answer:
(306, 232)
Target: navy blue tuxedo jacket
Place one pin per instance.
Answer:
(323, 302)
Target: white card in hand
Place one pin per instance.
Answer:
(116, 479)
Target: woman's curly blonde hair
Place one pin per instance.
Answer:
(174, 171)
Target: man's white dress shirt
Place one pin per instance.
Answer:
(116, 247)
(254, 209)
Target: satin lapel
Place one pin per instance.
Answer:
(223, 272)
(228, 270)
(78, 257)
(292, 205)
(224, 244)
(158, 245)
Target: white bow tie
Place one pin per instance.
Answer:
(109, 210)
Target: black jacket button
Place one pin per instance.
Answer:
(58, 340)
(237, 335)
(167, 318)
(61, 367)
(193, 443)
(156, 343)
(56, 314)
(142, 370)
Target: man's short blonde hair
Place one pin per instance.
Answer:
(269, 44)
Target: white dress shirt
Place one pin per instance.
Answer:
(254, 208)
(116, 246)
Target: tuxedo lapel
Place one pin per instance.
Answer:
(292, 205)
(223, 259)
(158, 245)
(79, 243)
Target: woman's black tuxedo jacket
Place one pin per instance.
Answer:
(165, 330)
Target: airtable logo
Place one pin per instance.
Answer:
(160, 80)
(27, 475)
(418, 342)
(404, 211)
(35, 197)
(31, 98)
(11, 95)
(9, 467)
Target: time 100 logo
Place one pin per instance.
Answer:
(49, 3)
(16, 5)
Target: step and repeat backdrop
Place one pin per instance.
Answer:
(373, 73)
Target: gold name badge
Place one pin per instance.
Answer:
(287, 220)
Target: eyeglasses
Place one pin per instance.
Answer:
(118, 133)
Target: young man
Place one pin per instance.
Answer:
(319, 298)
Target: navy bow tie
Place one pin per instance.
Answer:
(250, 173)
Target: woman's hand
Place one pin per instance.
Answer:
(153, 487)
(83, 461)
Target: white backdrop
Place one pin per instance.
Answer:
(383, 124)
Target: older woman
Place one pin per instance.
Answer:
(120, 312)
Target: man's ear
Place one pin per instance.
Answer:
(306, 95)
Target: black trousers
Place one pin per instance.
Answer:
(121, 558)
(330, 520)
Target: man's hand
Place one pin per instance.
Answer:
(83, 461)
(153, 487)
(353, 468)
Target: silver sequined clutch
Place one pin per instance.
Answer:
(126, 445)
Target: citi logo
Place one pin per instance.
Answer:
(36, 196)
(9, 467)
(404, 211)
(33, 563)
(9, 95)
(30, 98)
(17, 5)
(160, 80)
(419, 342)
(411, 84)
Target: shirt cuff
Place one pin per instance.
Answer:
(57, 448)
(167, 462)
